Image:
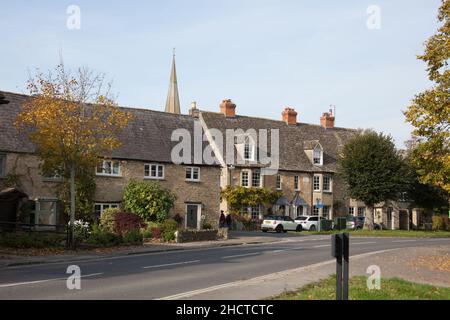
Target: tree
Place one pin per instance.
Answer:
(148, 200)
(429, 112)
(373, 170)
(73, 121)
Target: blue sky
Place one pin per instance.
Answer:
(265, 55)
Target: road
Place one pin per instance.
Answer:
(159, 275)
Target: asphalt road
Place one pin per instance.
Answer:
(158, 275)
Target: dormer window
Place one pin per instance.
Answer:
(318, 156)
(249, 149)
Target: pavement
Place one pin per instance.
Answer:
(242, 271)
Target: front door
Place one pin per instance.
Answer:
(192, 216)
(299, 211)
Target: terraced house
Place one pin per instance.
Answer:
(145, 154)
(307, 161)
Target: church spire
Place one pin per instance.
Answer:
(173, 100)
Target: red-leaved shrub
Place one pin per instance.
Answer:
(126, 222)
(156, 233)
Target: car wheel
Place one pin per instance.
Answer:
(299, 229)
(312, 228)
(279, 228)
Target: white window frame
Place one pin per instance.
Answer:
(318, 149)
(278, 182)
(326, 215)
(314, 209)
(258, 207)
(351, 211)
(249, 175)
(104, 206)
(296, 183)
(330, 189)
(157, 170)
(314, 183)
(190, 171)
(249, 147)
(260, 179)
(2, 165)
(103, 167)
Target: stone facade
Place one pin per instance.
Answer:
(25, 168)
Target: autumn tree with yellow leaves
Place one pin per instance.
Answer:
(429, 112)
(73, 120)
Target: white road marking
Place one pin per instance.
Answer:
(242, 255)
(323, 246)
(430, 240)
(276, 275)
(42, 281)
(362, 242)
(281, 250)
(171, 264)
(399, 241)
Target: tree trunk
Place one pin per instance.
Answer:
(72, 206)
(368, 221)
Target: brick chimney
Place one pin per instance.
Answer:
(327, 120)
(290, 116)
(228, 108)
(194, 112)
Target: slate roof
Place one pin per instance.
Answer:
(147, 137)
(293, 139)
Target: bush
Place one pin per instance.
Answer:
(127, 222)
(81, 230)
(156, 232)
(440, 223)
(207, 226)
(133, 237)
(108, 219)
(168, 229)
(148, 200)
(99, 237)
(32, 240)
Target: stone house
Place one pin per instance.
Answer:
(145, 154)
(306, 172)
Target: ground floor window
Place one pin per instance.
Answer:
(326, 212)
(351, 211)
(361, 211)
(100, 207)
(256, 212)
(315, 211)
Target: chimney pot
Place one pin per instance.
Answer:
(290, 116)
(327, 120)
(228, 108)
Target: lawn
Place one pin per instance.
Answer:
(391, 289)
(391, 233)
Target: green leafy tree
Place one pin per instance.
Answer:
(238, 196)
(429, 112)
(373, 170)
(148, 200)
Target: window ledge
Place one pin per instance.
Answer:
(193, 181)
(151, 178)
(108, 175)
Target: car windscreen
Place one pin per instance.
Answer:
(301, 218)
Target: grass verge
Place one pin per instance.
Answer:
(391, 289)
(390, 233)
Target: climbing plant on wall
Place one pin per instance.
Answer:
(237, 196)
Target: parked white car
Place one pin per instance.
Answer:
(280, 224)
(309, 223)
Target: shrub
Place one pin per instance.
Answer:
(206, 226)
(108, 219)
(156, 232)
(168, 229)
(127, 222)
(32, 240)
(148, 200)
(100, 237)
(133, 237)
(81, 230)
(440, 223)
